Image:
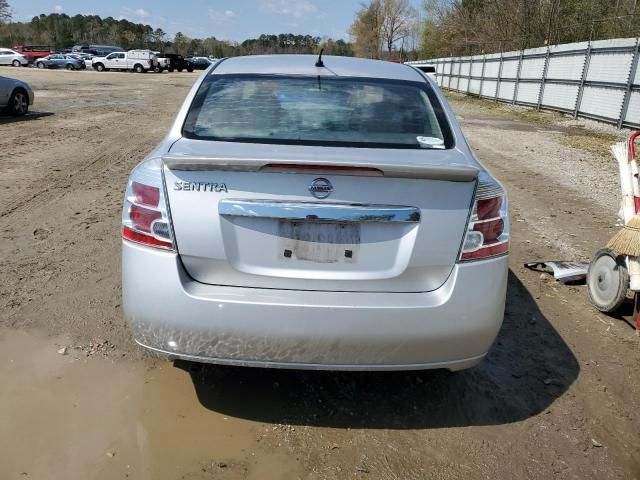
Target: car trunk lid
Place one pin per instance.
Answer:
(393, 220)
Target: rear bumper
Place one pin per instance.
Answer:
(452, 327)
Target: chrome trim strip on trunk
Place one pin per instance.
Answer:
(394, 169)
(318, 211)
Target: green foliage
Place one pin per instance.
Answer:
(61, 31)
(467, 27)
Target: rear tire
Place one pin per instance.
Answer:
(18, 103)
(158, 69)
(607, 281)
(40, 65)
(138, 69)
(180, 70)
(16, 63)
(68, 66)
(190, 69)
(171, 69)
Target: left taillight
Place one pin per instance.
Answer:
(145, 219)
(488, 231)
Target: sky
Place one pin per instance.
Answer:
(225, 19)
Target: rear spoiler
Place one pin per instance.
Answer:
(452, 172)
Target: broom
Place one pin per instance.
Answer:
(627, 241)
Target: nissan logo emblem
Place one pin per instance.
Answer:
(321, 188)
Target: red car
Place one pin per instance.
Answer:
(33, 52)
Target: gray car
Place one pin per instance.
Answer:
(15, 96)
(60, 61)
(317, 214)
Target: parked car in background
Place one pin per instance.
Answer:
(11, 57)
(57, 60)
(139, 61)
(339, 221)
(427, 68)
(80, 58)
(173, 62)
(200, 63)
(15, 96)
(162, 63)
(96, 50)
(33, 52)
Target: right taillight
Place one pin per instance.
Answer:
(488, 231)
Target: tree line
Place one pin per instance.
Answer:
(466, 27)
(61, 31)
(393, 28)
(382, 29)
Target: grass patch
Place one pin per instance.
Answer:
(588, 140)
(591, 141)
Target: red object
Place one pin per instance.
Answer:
(324, 168)
(490, 229)
(142, 218)
(489, 208)
(146, 194)
(148, 240)
(486, 251)
(632, 146)
(33, 52)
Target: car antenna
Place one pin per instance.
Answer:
(319, 62)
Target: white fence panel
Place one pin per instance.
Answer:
(633, 112)
(489, 88)
(566, 67)
(476, 69)
(602, 102)
(474, 86)
(506, 90)
(532, 68)
(491, 69)
(605, 67)
(528, 92)
(557, 95)
(510, 68)
(600, 70)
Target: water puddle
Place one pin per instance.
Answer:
(72, 416)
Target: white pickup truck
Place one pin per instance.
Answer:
(139, 61)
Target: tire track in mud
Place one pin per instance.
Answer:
(78, 168)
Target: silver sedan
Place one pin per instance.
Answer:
(15, 96)
(13, 58)
(315, 213)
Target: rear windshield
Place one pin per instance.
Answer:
(317, 111)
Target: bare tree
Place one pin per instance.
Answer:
(5, 11)
(398, 18)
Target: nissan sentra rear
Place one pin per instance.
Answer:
(322, 214)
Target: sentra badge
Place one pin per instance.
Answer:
(200, 187)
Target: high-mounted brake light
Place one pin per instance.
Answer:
(144, 217)
(488, 231)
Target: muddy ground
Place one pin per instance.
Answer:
(557, 397)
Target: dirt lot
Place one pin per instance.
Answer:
(558, 395)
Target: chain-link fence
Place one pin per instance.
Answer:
(598, 80)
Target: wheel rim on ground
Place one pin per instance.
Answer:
(16, 63)
(20, 103)
(604, 281)
(40, 65)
